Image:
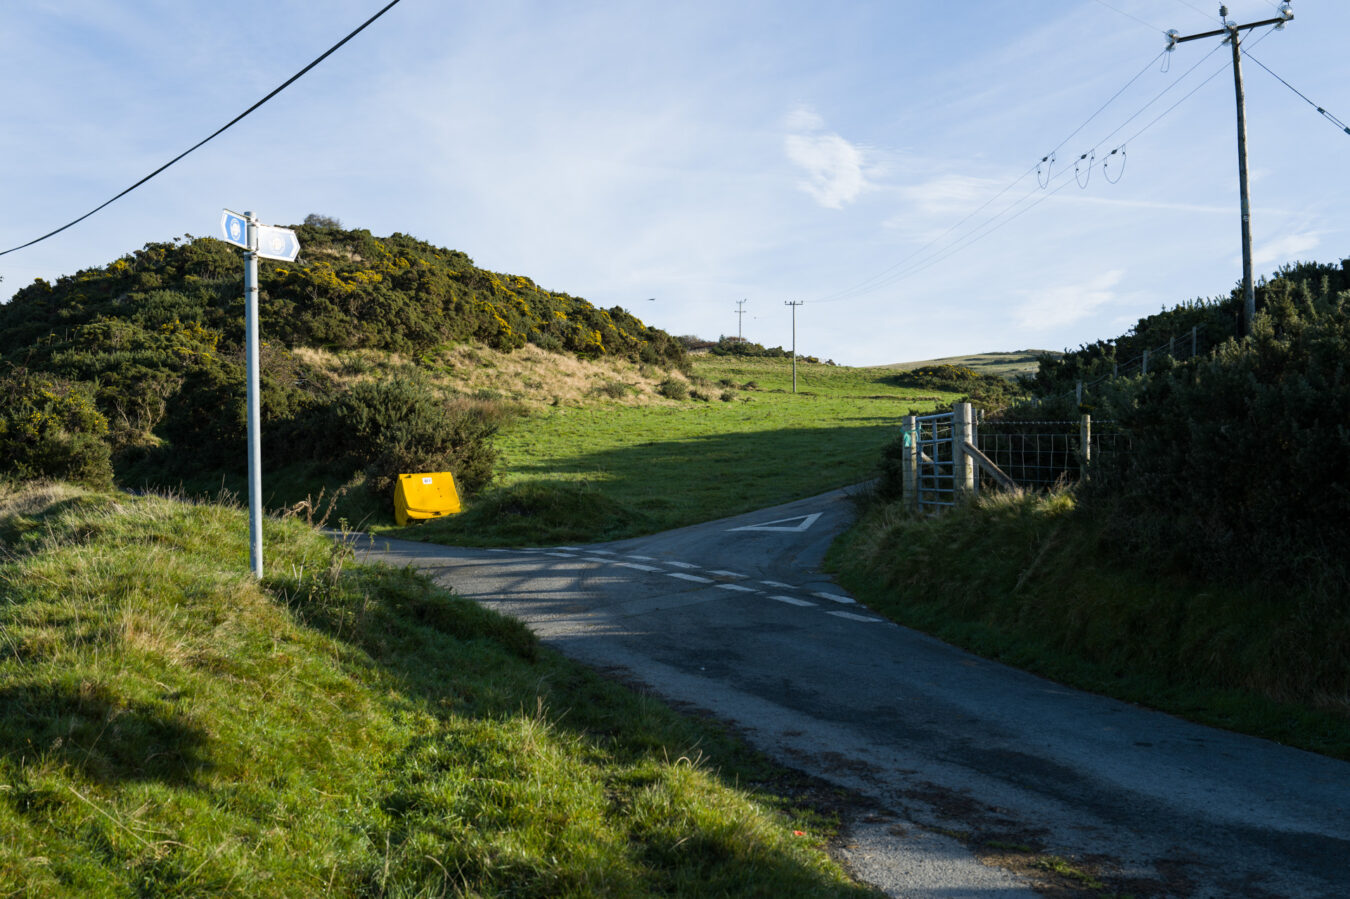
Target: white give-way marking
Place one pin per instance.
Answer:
(793, 525)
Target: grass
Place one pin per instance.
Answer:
(1026, 580)
(600, 470)
(169, 726)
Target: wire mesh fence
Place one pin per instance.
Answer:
(1039, 455)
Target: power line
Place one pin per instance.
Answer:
(212, 136)
(909, 265)
(868, 284)
(1128, 15)
(1328, 116)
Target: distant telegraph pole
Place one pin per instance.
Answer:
(794, 306)
(1233, 30)
(740, 315)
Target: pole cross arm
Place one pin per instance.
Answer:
(1173, 38)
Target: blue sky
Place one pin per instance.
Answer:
(700, 153)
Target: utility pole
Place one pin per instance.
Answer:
(1232, 31)
(794, 306)
(740, 315)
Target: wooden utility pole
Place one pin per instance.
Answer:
(740, 315)
(794, 306)
(1232, 31)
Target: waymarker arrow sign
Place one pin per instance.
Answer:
(234, 227)
(277, 243)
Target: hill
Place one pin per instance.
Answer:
(137, 368)
(1007, 365)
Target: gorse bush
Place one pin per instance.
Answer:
(51, 429)
(1240, 460)
(673, 389)
(990, 392)
(390, 427)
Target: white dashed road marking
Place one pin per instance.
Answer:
(792, 600)
(728, 573)
(689, 577)
(835, 597)
(851, 617)
(737, 587)
(637, 566)
(682, 565)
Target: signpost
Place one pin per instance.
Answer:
(269, 242)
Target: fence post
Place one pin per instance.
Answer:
(1145, 361)
(909, 463)
(963, 471)
(1085, 440)
(1078, 393)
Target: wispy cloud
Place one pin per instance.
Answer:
(1285, 248)
(1063, 305)
(835, 169)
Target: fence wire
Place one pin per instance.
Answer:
(1039, 455)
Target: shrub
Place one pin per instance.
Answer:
(673, 389)
(395, 426)
(1239, 462)
(51, 429)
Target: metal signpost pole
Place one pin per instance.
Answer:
(255, 548)
(265, 242)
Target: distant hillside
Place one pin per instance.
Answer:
(1006, 365)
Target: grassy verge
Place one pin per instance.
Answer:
(1024, 580)
(169, 726)
(603, 471)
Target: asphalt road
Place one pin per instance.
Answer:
(735, 617)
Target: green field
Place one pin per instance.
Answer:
(654, 467)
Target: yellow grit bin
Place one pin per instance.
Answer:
(425, 495)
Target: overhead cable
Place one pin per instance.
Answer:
(1046, 163)
(287, 83)
(910, 265)
(1328, 116)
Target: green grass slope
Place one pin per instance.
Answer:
(742, 441)
(1030, 581)
(169, 726)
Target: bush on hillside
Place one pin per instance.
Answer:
(390, 427)
(989, 392)
(50, 428)
(1240, 460)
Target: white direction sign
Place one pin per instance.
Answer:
(235, 228)
(277, 243)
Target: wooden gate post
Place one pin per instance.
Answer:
(1085, 441)
(909, 463)
(963, 469)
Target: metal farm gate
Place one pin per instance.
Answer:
(932, 447)
(952, 454)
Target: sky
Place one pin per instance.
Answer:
(878, 162)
